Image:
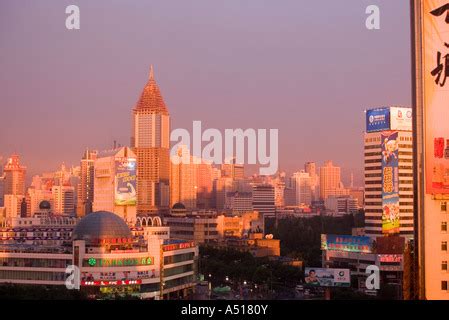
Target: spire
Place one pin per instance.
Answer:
(151, 73)
(151, 98)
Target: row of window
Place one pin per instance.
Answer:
(34, 263)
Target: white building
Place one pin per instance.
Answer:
(301, 182)
(384, 142)
(115, 183)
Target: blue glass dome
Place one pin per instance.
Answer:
(101, 225)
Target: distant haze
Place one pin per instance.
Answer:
(309, 68)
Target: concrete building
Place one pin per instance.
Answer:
(301, 182)
(115, 183)
(330, 181)
(263, 200)
(63, 200)
(113, 258)
(150, 141)
(388, 175)
(14, 174)
(183, 178)
(85, 192)
(239, 202)
(341, 205)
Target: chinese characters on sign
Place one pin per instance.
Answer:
(436, 95)
(390, 182)
(441, 72)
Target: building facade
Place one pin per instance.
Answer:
(150, 142)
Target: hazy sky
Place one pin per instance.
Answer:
(308, 68)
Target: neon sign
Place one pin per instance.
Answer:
(123, 262)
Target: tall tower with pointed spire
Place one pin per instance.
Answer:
(150, 141)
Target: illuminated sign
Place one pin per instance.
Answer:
(390, 258)
(122, 262)
(346, 243)
(327, 277)
(125, 181)
(401, 119)
(390, 182)
(434, 29)
(110, 283)
(377, 119)
(178, 246)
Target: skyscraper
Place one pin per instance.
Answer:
(86, 185)
(389, 172)
(115, 183)
(183, 179)
(14, 176)
(310, 168)
(150, 141)
(330, 181)
(302, 184)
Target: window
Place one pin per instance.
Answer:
(444, 246)
(443, 285)
(444, 226)
(444, 266)
(443, 206)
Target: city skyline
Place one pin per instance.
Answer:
(201, 85)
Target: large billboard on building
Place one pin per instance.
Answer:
(378, 119)
(346, 243)
(327, 277)
(401, 119)
(435, 68)
(125, 181)
(390, 182)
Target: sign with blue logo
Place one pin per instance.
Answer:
(378, 119)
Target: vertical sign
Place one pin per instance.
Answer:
(125, 181)
(390, 182)
(435, 35)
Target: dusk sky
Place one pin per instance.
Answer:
(308, 68)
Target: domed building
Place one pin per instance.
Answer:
(101, 226)
(178, 209)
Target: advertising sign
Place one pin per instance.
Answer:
(326, 277)
(435, 68)
(125, 182)
(401, 119)
(346, 243)
(378, 119)
(390, 182)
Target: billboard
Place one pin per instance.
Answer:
(326, 277)
(390, 182)
(401, 119)
(378, 119)
(125, 182)
(346, 243)
(435, 68)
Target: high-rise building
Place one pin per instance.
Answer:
(330, 181)
(310, 168)
(115, 183)
(64, 200)
(183, 178)
(85, 190)
(14, 176)
(431, 147)
(239, 202)
(150, 141)
(233, 170)
(388, 172)
(2, 190)
(13, 205)
(302, 184)
(204, 185)
(263, 200)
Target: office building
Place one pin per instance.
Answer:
(389, 172)
(115, 183)
(150, 141)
